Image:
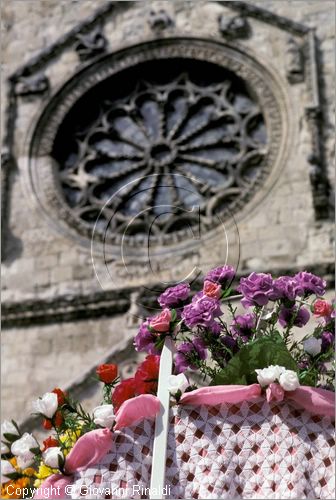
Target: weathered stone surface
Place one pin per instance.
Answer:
(279, 231)
(34, 360)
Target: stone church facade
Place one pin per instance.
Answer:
(100, 99)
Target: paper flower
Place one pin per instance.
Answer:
(46, 405)
(312, 346)
(177, 383)
(104, 416)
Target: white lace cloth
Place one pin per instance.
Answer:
(255, 450)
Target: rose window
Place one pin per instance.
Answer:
(157, 140)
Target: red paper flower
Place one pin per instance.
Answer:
(146, 377)
(47, 424)
(123, 391)
(58, 419)
(107, 373)
(50, 442)
(61, 396)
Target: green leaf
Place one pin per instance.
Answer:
(226, 293)
(36, 450)
(178, 395)
(16, 427)
(60, 462)
(308, 378)
(159, 343)
(173, 315)
(10, 437)
(14, 475)
(263, 352)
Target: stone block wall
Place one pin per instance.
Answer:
(280, 231)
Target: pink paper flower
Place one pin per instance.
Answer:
(212, 290)
(322, 308)
(161, 322)
(274, 392)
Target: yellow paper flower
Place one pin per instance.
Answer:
(68, 439)
(43, 472)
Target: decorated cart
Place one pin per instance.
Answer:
(262, 428)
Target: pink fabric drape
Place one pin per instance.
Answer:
(312, 399)
(136, 409)
(217, 394)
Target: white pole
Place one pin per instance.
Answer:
(162, 419)
(161, 423)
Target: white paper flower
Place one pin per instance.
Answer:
(270, 374)
(21, 449)
(25, 461)
(312, 346)
(52, 456)
(289, 380)
(177, 383)
(104, 416)
(6, 468)
(4, 448)
(47, 405)
(8, 427)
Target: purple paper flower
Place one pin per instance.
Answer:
(230, 343)
(145, 340)
(328, 340)
(174, 296)
(185, 352)
(299, 317)
(242, 326)
(224, 350)
(201, 311)
(303, 364)
(221, 275)
(321, 367)
(309, 283)
(257, 289)
(286, 287)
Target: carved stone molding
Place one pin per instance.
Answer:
(294, 62)
(234, 27)
(34, 85)
(65, 308)
(91, 44)
(46, 55)
(316, 159)
(248, 9)
(159, 20)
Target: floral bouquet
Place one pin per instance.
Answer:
(257, 347)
